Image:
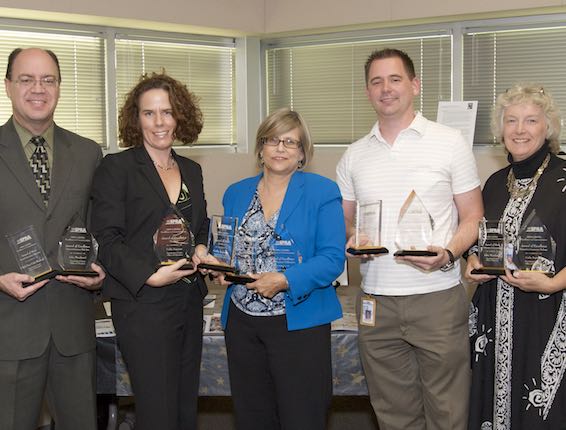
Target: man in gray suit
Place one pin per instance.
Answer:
(47, 343)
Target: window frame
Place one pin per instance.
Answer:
(456, 29)
(109, 35)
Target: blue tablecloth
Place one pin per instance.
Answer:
(348, 378)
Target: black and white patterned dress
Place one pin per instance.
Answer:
(518, 339)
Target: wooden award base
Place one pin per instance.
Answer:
(238, 279)
(495, 271)
(90, 273)
(370, 250)
(414, 253)
(217, 267)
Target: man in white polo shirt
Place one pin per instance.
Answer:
(415, 349)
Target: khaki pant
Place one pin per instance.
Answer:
(417, 361)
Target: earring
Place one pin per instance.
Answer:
(261, 163)
(301, 164)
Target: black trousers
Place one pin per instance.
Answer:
(162, 344)
(280, 379)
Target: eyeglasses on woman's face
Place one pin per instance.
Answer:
(287, 142)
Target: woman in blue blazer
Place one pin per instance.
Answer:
(278, 327)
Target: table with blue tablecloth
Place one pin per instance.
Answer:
(348, 378)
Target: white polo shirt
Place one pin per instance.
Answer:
(433, 160)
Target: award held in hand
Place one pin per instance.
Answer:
(284, 252)
(78, 249)
(533, 250)
(29, 254)
(174, 240)
(368, 230)
(491, 247)
(414, 229)
(221, 243)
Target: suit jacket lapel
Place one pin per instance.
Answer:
(292, 198)
(187, 176)
(12, 153)
(148, 170)
(63, 163)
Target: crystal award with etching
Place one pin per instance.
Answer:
(221, 237)
(284, 251)
(414, 228)
(78, 249)
(491, 248)
(29, 254)
(174, 240)
(368, 230)
(534, 249)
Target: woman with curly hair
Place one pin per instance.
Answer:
(518, 319)
(157, 313)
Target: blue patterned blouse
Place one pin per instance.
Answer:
(255, 254)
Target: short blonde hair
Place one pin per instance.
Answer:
(281, 121)
(528, 93)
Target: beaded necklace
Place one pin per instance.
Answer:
(519, 193)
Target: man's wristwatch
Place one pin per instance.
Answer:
(451, 260)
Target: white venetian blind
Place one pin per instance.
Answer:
(326, 82)
(208, 72)
(495, 60)
(82, 104)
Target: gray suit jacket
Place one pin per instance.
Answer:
(58, 310)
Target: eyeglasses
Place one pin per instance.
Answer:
(45, 82)
(287, 142)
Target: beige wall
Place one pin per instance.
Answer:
(265, 16)
(221, 170)
(286, 15)
(204, 16)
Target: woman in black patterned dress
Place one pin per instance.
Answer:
(518, 320)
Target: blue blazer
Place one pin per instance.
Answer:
(311, 213)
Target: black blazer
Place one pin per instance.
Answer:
(60, 311)
(129, 202)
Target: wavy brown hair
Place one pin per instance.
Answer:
(183, 103)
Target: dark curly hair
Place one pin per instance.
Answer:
(183, 103)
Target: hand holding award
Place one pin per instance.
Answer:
(174, 240)
(368, 230)
(490, 244)
(78, 249)
(414, 229)
(533, 250)
(29, 254)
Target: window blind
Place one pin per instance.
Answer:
(82, 103)
(326, 82)
(495, 60)
(208, 72)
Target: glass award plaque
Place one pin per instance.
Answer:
(414, 229)
(29, 254)
(174, 240)
(368, 230)
(534, 249)
(78, 249)
(491, 248)
(221, 243)
(286, 253)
